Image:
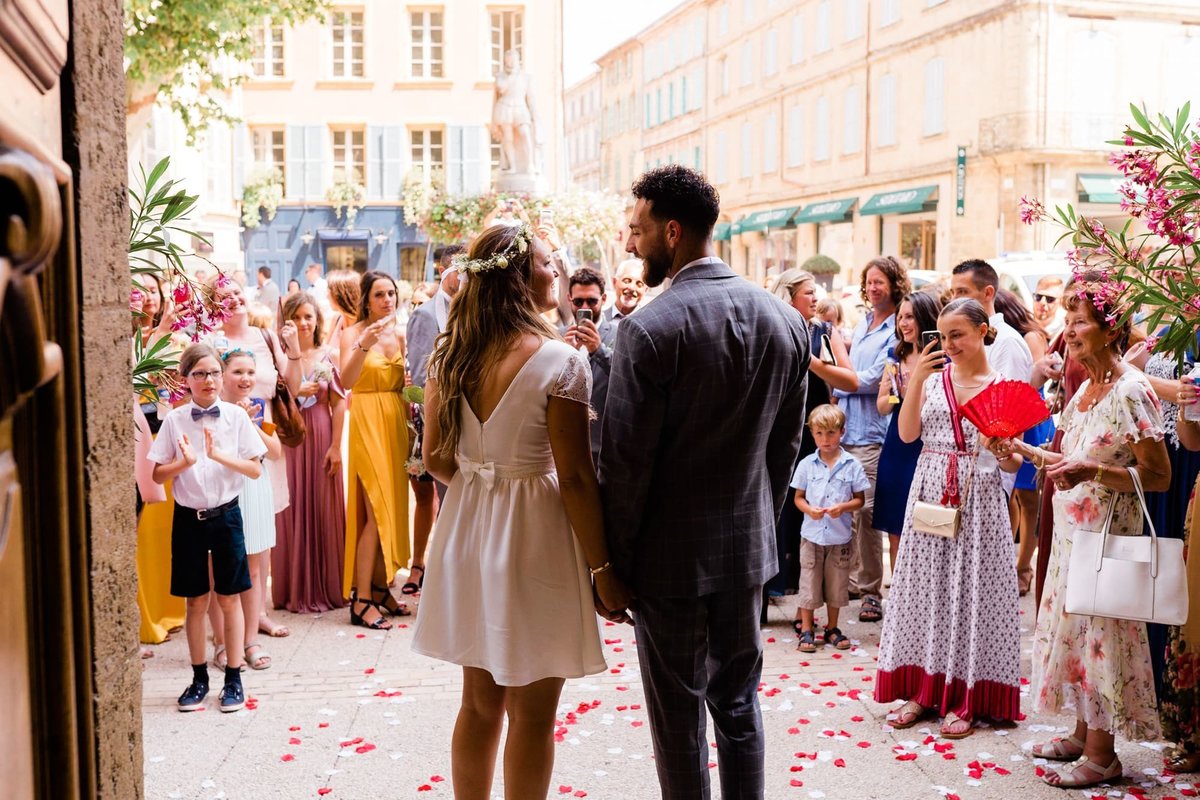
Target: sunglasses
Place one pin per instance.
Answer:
(1046, 298)
(580, 302)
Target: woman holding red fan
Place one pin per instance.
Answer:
(951, 643)
(1097, 666)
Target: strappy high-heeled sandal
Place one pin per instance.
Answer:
(379, 624)
(395, 607)
(412, 587)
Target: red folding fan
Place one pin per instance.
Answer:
(1006, 409)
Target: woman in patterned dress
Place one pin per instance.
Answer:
(1097, 667)
(951, 644)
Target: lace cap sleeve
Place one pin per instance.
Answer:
(575, 380)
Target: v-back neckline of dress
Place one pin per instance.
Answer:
(507, 389)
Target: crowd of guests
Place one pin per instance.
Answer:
(613, 455)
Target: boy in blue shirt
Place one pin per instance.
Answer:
(830, 486)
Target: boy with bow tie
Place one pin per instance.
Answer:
(207, 482)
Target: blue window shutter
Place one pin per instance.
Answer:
(375, 180)
(472, 157)
(454, 160)
(239, 134)
(315, 147)
(294, 165)
(393, 161)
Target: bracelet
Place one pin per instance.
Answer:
(605, 567)
(1099, 474)
(358, 344)
(297, 358)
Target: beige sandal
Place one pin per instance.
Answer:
(260, 656)
(1056, 749)
(947, 730)
(908, 715)
(1068, 777)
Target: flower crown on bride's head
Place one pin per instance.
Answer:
(521, 241)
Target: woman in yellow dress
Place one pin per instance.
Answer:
(160, 611)
(372, 364)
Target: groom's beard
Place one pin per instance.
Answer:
(657, 266)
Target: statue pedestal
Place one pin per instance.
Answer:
(519, 183)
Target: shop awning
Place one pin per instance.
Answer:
(827, 211)
(1095, 188)
(903, 201)
(721, 231)
(772, 218)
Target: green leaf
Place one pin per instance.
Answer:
(1139, 117)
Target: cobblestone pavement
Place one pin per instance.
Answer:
(346, 715)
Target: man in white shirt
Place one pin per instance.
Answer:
(629, 287)
(317, 286)
(1009, 355)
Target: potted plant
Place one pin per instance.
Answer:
(262, 193)
(347, 198)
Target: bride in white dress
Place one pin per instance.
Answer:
(507, 594)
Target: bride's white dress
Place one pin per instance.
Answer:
(508, 589)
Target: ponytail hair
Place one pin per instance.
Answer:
(974, 314)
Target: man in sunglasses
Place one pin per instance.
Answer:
(1047, 304)
(595, 335)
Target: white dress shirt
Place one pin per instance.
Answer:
(441, 309)
(1009, 356)
(207, 484)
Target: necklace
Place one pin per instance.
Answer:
(986, 379)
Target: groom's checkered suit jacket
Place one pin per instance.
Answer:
(701, 429)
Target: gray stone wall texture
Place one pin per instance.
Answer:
(95, 136)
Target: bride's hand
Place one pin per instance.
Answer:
(613, 595)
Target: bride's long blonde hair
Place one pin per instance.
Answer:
(490, 311)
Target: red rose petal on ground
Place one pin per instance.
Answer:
(369, 671)
(949, 756)
(804, 663)
(1002, 771)
(784, 677)
(793, 731)
(864, 745)
(294, 728)
(1039, 771)
(856, 719)
(796, 768)
(564, 789)
(324, 790)
(637, 723)
(770, 640)
(802, 721)
(581, 793)
(712, 764)
(622, 688)
(365, 748)
(424, 787)
(839, 762)
(797, 782)
(293, 740)
(323, 725)
(976, 774)
(907, 757)
(952, 797)
(287, 757)
(638, 707)
(436, 778)
(363, 636)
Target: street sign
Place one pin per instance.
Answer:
(960, 180)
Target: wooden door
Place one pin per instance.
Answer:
(44, 634)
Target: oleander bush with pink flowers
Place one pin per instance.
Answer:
(1151, 265)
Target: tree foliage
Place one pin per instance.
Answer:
(179, 51)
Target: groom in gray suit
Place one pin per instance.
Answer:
(702, 426)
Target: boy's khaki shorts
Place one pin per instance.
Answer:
(824, 575)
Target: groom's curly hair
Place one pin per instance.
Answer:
(682, 194)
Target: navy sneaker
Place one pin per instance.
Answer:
(233, 698)
(193, 696)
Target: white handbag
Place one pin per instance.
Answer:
(1141, 578)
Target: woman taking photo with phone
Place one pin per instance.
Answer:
(951, 645)
(377, 502)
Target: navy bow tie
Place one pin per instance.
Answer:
(212, 411)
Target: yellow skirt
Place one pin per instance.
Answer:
(161, 611)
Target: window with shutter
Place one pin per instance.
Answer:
(795, 132)
(935, 97)
(747, 150)
(722, 158)
(821, 130)
(797, 42)
(747, 62)
(852, 121)
(885, 129)
(823, 38)
(770, 143)
(770, 52)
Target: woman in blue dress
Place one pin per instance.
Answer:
(1026, 490)
(898, 461)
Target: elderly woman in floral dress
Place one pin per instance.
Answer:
(1095, 666)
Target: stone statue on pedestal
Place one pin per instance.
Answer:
(514, 126)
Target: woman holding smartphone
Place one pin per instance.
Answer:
(377, 504)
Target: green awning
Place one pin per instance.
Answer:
(1100, 188)
(736, 227)
(826, 211)
(721, 231)
(773, 218)
(904, 201)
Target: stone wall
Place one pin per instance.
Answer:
(94, 145)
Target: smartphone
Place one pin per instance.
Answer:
(546, 216)
(581, 314)
(260, 408)
(930, 336)
(509, 205)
